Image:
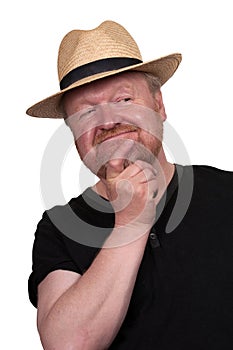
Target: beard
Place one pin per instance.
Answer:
(128, 150)
(136, 134)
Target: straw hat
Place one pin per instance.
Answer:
(88, 55)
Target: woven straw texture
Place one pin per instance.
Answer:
(108, 40)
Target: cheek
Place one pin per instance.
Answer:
(80, 148)
(149, 139)
(84, 144)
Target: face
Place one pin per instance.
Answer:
(90, 110)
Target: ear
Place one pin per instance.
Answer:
(159, 106)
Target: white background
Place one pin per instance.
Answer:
(198, 102)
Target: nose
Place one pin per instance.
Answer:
(108, 126)
(107, 120)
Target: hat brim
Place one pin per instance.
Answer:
(163, 68)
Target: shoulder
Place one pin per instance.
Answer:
(211, 183)
(87, 219)
(211, 177)
(88, 207)
(212, 172)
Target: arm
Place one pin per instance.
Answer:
(90, 312)
(86, 312)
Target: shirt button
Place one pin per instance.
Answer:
(154, 240)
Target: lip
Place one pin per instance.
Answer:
(123, 134)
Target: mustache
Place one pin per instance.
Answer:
(115, 131)
(121, 148)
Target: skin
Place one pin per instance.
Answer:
(69, 317)
(117, 89)
(130, 85)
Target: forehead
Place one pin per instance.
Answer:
(120, 82)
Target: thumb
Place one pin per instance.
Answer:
(114, 168)
(118, 161)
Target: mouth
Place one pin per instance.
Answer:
(119, 132)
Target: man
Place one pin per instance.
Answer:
(143, 259)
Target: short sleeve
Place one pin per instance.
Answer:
(59, 239)
(49, 254)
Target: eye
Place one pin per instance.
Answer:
(86, 113)
(124, 100)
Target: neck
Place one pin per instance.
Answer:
(165, 175)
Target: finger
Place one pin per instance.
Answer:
(146, 175)
(114, 168)
(152, 188)
(118, 160)
(145, 170)
(134, 173)
(145, 165)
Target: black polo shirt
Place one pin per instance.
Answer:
(183, 295)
